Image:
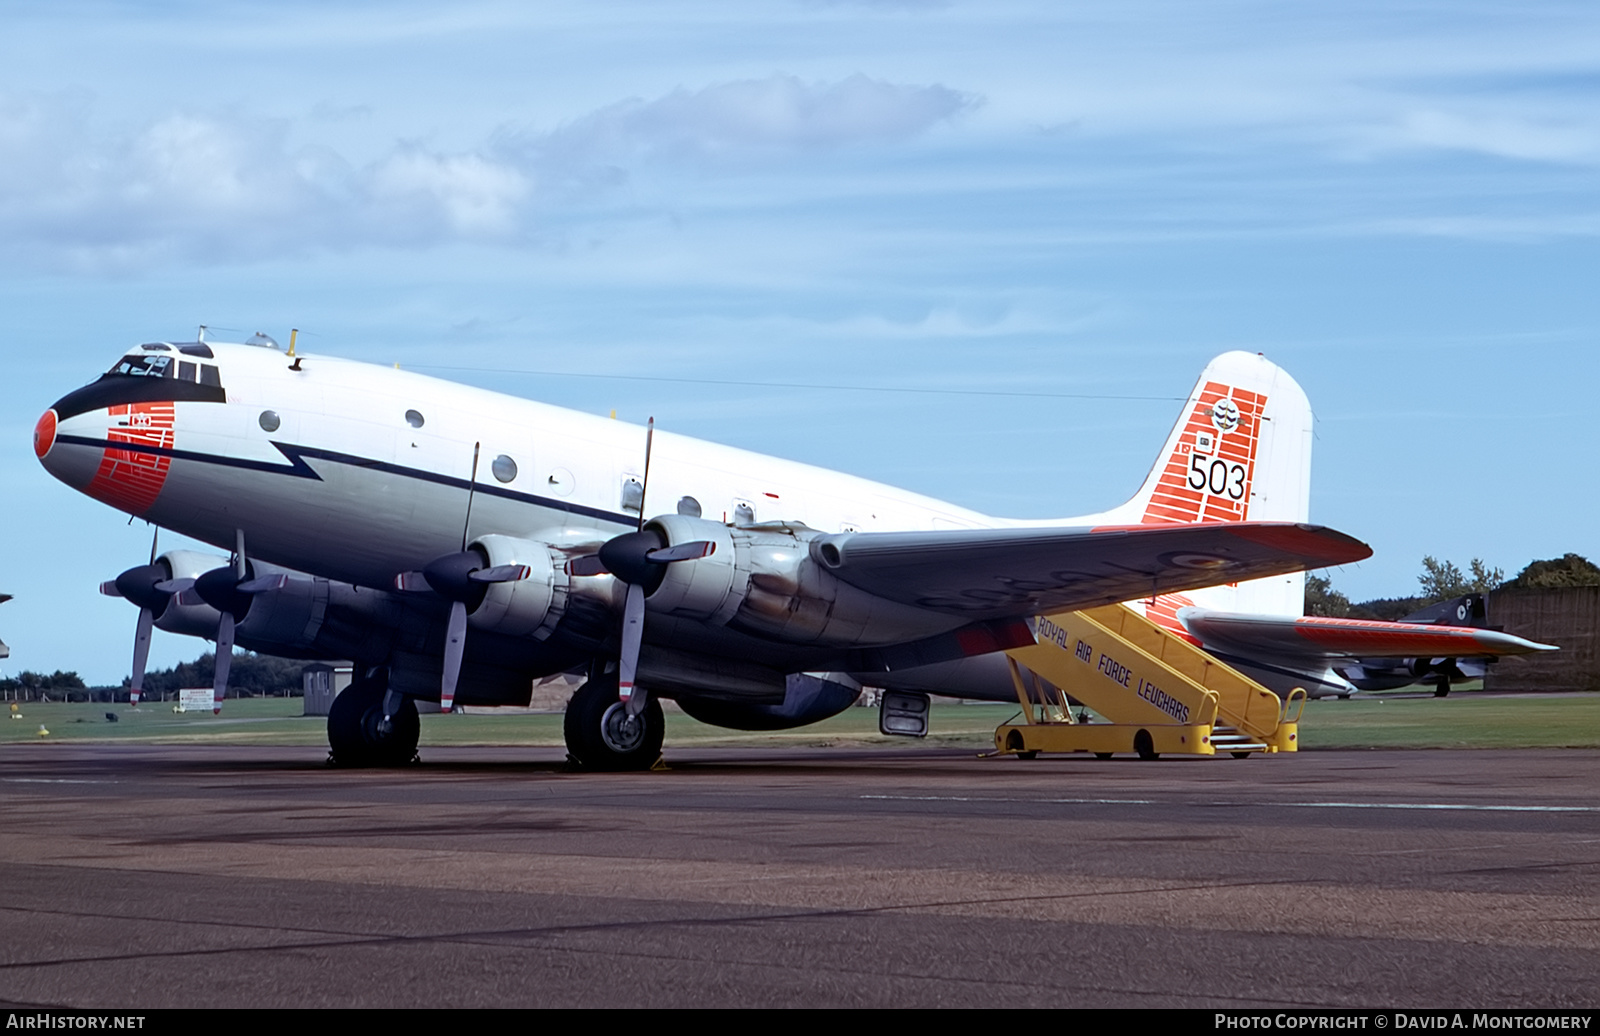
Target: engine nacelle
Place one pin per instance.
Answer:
(763, 579)
(528, 607)
(709, 589)
(190, 620)
(290, 617)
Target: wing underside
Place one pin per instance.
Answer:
(1011, 573)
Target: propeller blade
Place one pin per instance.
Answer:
(264, 584)
(588, 565)
(690, 551)
(500, 574)
(632, 634)
(455, 645)
(411, 582)
(141, 654)
(219, 687)
(109, 588)
(644, 487)
(176, 586)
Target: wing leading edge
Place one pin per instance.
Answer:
(1012, 573)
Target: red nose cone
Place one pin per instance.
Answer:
(44, 434)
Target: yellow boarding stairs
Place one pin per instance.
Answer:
(1153, 693)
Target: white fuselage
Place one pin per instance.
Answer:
(366, 470)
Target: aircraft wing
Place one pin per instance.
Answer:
(1015, 573)
(1311, 636)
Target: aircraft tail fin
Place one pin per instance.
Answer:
(1240, 451)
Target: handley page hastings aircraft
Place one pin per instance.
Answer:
(456, 544)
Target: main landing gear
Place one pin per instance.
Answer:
(602, 736)
(368, 726)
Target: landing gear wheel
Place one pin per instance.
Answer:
(602, 736)
(1145, 745)
(356, 733)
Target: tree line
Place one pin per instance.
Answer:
(1444, 580)
(249, 676)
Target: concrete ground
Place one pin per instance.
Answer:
(147, 876)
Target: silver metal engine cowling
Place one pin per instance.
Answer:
(762, 579)
(708, 589)
(528, 607)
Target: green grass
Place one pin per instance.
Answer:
(1459, 721)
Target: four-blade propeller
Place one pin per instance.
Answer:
(461, 578)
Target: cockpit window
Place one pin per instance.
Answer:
(145, 378)
(145, 366)
(197, 349)
(168, 367)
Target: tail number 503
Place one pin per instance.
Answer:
(1217, 476)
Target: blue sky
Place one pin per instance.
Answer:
(1054, 213)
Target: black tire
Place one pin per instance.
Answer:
(598, 735)
(1102, 755)
(1145, 745)
(1028, 755)
(354, 719)
(1242, 755)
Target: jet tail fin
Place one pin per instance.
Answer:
(1466, 610)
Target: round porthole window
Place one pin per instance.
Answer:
(504, 468)
(269, 421)
(414, 418)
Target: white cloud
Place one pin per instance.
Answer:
(1499, 135)
(227, 187)
(473, 196)
(752, 116)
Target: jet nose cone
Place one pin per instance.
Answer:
(44, 434)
